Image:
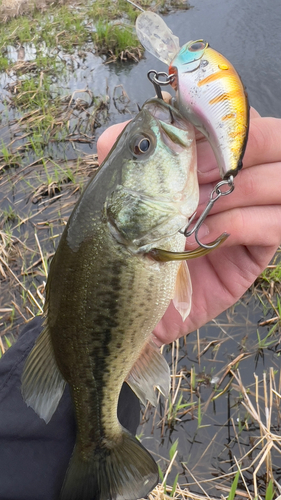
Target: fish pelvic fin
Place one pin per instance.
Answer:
(42, 383)
(149, 371)
(119, 471)
(183, 291)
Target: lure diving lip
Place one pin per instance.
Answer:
(209, 91)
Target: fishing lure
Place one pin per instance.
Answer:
(209, 94)
(212, 97)
(209, 91)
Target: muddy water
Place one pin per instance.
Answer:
(248, 33)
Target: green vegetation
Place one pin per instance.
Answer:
(4, 63)
(176, 410)
(68, 29)
(233, 487)
(117, 41)
(272, 274)
(170, 491)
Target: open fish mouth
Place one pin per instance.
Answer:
(173, 127)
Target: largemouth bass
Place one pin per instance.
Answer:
(105, 294)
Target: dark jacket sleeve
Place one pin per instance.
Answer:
(34, 455)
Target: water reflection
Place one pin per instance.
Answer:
(25, 52)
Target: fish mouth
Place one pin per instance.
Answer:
(174, 129)
(178, 135)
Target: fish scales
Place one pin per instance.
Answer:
(104, 296)
(121, 324)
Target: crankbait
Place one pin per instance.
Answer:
(209, 91)
(209, 94)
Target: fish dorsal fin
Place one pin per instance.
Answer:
(183, 291)
(42, 382)
(149, 371)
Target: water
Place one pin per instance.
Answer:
(248, 34)
(224, 430)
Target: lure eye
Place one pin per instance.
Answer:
(196, 46)
(141, 146)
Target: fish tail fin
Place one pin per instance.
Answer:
(123, 470)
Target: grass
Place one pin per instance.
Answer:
(261, 408)
(64, 28)
(117, 41)
(250, 479)
(44, 121)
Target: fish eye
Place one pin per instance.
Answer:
(196, 46)
(141, 145)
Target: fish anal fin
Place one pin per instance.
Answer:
(149, 371)
(42, 382)
(183, 291)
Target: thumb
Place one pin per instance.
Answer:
(107, 140)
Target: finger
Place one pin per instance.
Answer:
(166, 96)
(263, 146)
(254, 114)
(229, 270)
(260, 185)
(256, 227)
(108, 138)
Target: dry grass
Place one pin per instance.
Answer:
(46, 194)
(260, 404)
(180, 494)
(5, 246)
(254, 422)
(14, 8)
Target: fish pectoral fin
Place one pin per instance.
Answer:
(149, 371)
(183, 291)
(42, 382)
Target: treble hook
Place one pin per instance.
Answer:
(214, 196)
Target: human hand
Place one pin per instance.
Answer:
(251, 214)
